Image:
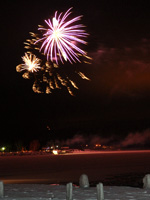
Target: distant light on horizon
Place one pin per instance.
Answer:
(3, 148)
(55, 152)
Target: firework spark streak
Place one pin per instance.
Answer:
(60, 40)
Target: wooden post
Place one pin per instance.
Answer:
(69, 191)
(100, 192)
(1, 189)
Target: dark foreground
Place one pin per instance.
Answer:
(111, 168)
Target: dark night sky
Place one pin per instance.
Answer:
(117, 99)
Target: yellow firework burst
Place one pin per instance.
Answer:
(31, 63)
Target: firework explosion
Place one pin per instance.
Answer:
(31, 63)
(61, 37)
(59, 42)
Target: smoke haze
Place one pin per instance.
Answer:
(132, 139)
(122, 71)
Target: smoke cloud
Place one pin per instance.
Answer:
(122, 70)
(90, 140)
(138, 138)
(132, 139)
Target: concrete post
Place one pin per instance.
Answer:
(1, 189)
(84, 181)
(69, 191)
(100, 192)
(146, 181)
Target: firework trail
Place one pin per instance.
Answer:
(46, 73)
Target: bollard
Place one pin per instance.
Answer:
(84, 181)
(100, 192)
(1, 189)
(146, 181)
(69, 191)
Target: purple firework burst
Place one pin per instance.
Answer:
(61, 39)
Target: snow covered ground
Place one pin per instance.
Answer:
(38, 171)
(58, 192)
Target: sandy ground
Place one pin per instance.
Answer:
(58, 192)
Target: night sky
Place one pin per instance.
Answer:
(117, 99)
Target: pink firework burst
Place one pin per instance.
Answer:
(61, 39)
